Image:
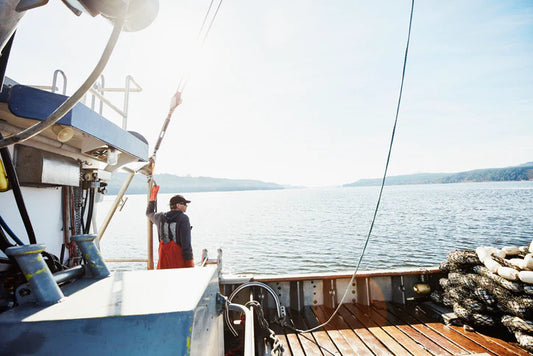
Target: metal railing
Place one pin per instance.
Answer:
(97, 92)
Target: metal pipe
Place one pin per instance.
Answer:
(54, 81)
(102, 81)
(129, 79)
(150, 238)
(126, 102)
(249, 349)
(106, 101)
(117, 201)
(68, 274)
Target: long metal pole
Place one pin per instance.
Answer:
(248, 328)
(150, 230)
(117, 201)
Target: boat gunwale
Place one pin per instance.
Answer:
(231, 279)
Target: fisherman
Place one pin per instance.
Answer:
(174, 229)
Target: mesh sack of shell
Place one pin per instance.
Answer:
(463, 257)
(524, 340)
(489, 286)
(513, 286)
(514, 323)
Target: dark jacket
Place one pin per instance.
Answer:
(172, 225)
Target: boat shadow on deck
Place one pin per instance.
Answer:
(388, 329)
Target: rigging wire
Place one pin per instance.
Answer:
(176, 98)
(382, 181)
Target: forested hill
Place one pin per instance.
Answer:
(173, 184)
(516, 173)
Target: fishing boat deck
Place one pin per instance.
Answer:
(388, 329)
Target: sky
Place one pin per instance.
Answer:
(304, 92)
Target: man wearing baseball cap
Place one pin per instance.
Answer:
(174, 229)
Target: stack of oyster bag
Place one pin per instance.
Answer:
(491, 286)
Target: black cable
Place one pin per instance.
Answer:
(84, 197)
(392, 137)
(205, 17)
(6, 228)
(4, 56)
(183, 82)
(90, 211)
(4, 242)
(15, 186)
(384, 176)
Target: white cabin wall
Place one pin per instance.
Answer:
(44, 210)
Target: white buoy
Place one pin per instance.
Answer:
(528, 261)
(511, 250)
(508, 273)
(499, 253)
(518, 262)
(526, 276)
(492, 265)
(482, 253)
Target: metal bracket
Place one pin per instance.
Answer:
(221, 303)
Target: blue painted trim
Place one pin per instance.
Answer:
(31, 103)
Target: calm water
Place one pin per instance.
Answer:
(319, 230)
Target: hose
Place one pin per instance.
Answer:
(75, 98)
(9, 232)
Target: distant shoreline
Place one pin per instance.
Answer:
(171, 183)
(522, 172)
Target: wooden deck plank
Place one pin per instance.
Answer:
(493, 344)
(411, 345)
(326, 344)
(384, 330)
(381, 312)
(393, 345)
(294, 344)
(449, 333)
(369, 339)
(307, 345)
(310, 343)
(345, 339)
(430, 333)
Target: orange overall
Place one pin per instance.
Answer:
(170, 256)
(174, 229)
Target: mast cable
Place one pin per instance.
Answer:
(186, 79)
(382, 182)
(176, 98)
